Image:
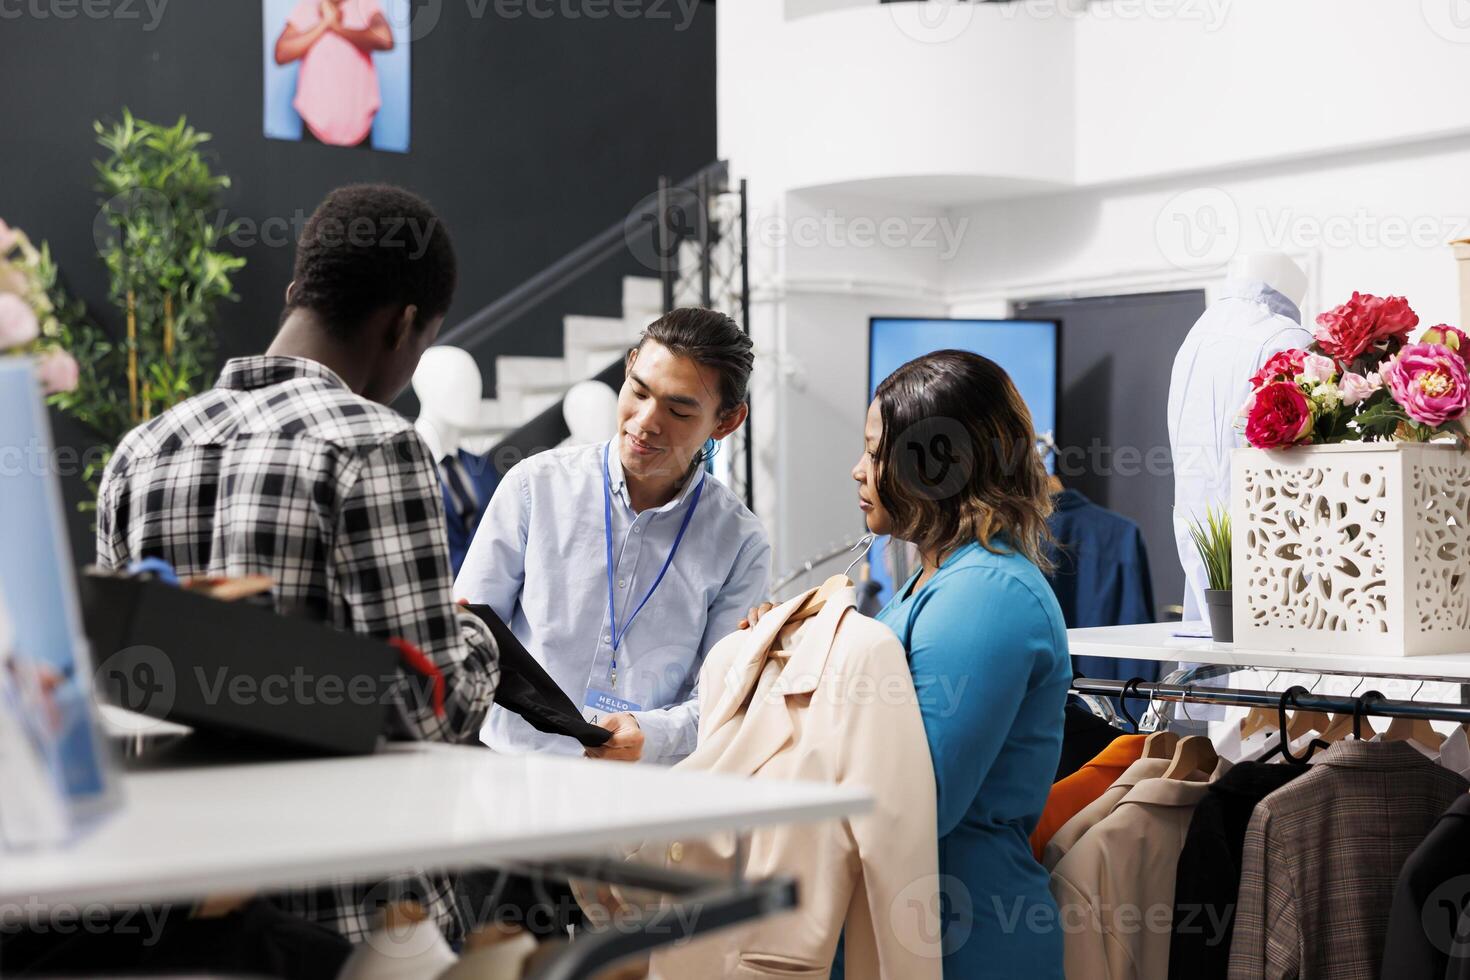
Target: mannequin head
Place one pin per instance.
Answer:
(591, 411)
(1275, 269)
(448, 386)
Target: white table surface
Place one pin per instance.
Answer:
(182, 833)
(1155, 641)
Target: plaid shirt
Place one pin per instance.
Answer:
(281, 470)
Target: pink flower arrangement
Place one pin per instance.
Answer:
(1430, 382)
(1350, 330)
(1362, 380)
(28, 321)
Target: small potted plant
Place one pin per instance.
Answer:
(1212, 540)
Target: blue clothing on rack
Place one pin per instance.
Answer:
(468, 482)
(1101, 578)
(988, 649)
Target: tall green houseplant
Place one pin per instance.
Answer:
(158, 235)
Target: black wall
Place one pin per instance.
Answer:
(1110, 425)
(529, 135)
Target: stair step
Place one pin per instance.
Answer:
(598, 333)
(531, 374)
(641, 295)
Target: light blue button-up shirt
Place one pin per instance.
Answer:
(1246, 324)
(539, 560)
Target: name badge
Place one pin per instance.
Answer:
(598, 704)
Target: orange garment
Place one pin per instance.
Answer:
(1071, 794)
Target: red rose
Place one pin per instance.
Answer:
(1355, 326)
(1278, 415)
(1283, 366)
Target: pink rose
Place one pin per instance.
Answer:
(8, 238)
(1452, 337)
(1278, 415)
(18, 323)
(58, 371)
(1355, 326)
(1283, 366)
(1356, 387)
(1430, 382)
(1318, 369)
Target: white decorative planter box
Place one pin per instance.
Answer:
(1352, 548)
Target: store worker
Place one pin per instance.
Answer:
(293, 467)
(620, 564)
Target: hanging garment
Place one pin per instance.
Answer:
(1207, 880)
(793, 708)
(468, 482)
(528, 690)
(1070, 795)
(1454, 754)
(1101, 578)
(1246, 324)
(1116, 885)
(1069, 833)
(1428, 898)
(1084, 735)
(1321, 855)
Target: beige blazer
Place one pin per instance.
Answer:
(834, 703)
(1115, 888)
(1069, 833)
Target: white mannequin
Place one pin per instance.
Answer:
(1275, 269)
(591, 411)
(448, 385)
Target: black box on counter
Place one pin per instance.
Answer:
(236, 668)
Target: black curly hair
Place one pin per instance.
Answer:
(370, 246)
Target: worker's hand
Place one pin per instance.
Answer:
(626, 744)
(754, 616)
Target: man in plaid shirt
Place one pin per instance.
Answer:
(293, 467)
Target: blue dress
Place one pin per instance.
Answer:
(988, 649)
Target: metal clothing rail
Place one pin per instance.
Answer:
(1370, 704)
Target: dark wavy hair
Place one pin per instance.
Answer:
(958, 462)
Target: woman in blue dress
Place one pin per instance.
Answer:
(949, 464)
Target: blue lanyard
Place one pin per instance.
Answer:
(617, 634)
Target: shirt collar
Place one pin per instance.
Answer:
(618, 483)
(1256, 291)
(261, 371)
(1070, 499)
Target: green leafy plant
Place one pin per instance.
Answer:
(1212, 540)
(159, 240)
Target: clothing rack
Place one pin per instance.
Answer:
(1369, 704)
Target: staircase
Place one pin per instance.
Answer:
(528, 386)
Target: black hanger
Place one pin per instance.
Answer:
(1130, 690)
(1360, 708)
(1288, 697)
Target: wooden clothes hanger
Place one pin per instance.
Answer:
(1413, 730)
(832, 586)
(1194, 753)
(1160, 745)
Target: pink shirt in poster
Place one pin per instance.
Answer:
(337, 89)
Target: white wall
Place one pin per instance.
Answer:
(1332, 130)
